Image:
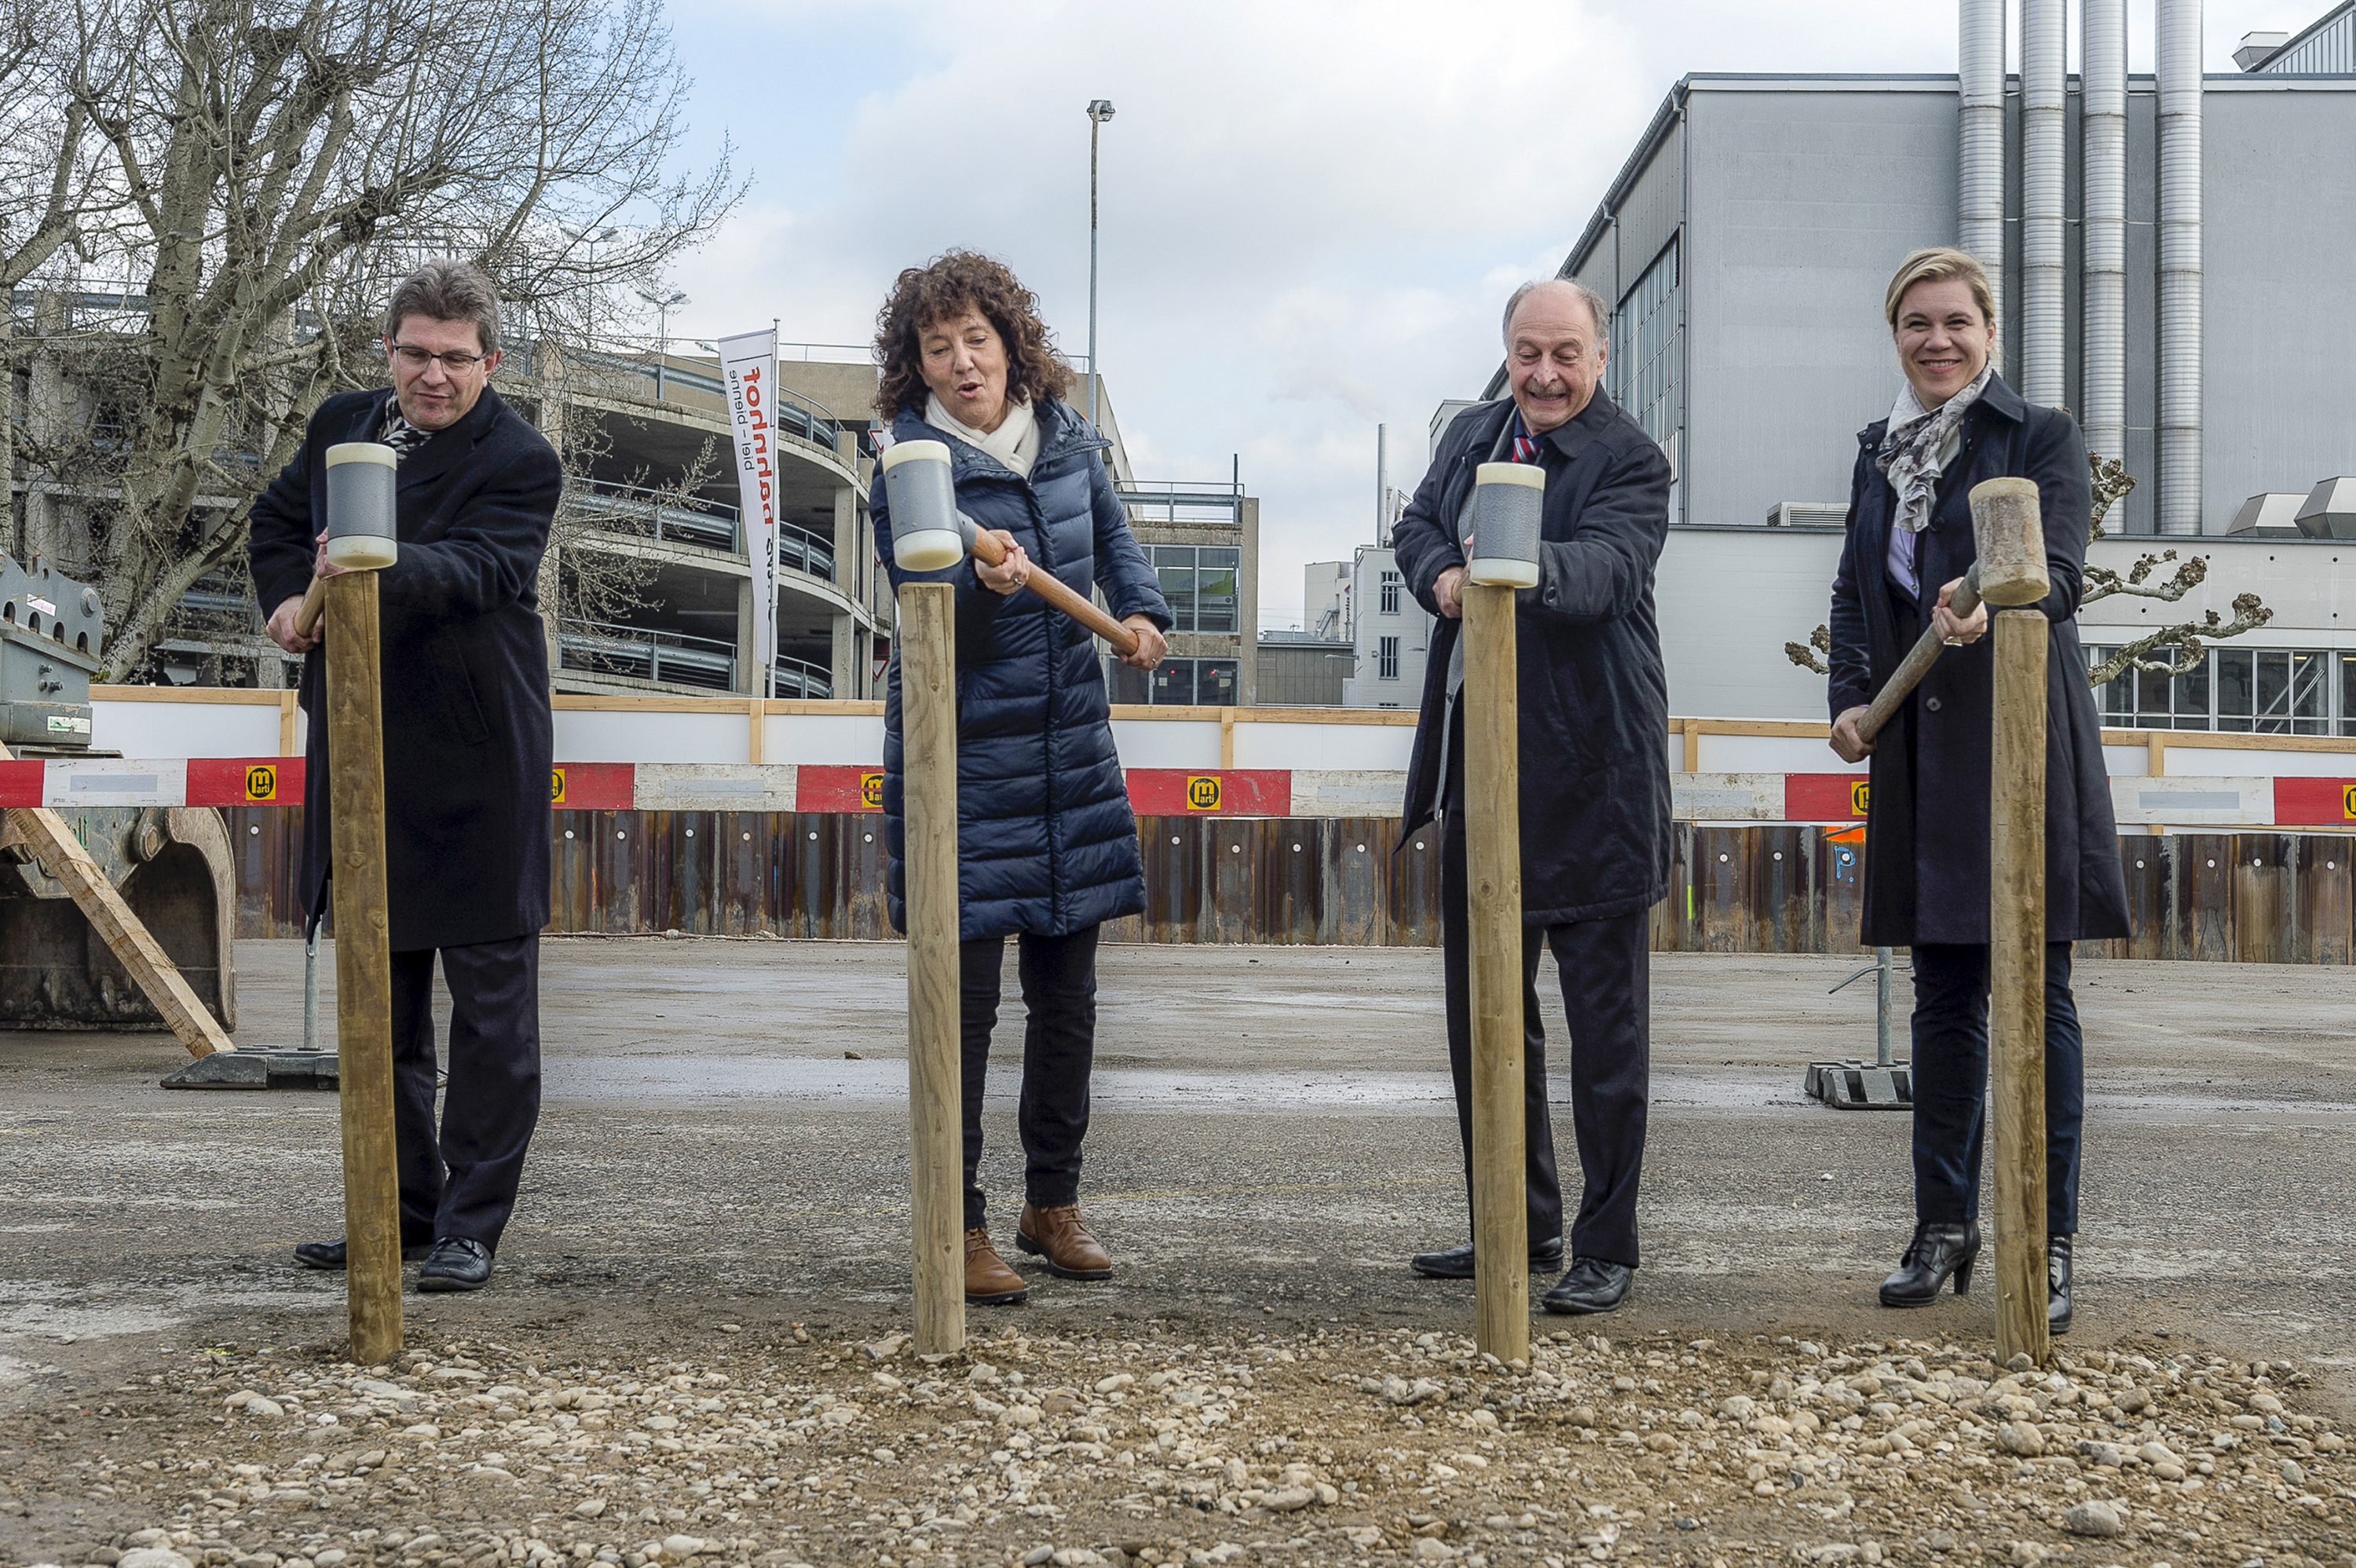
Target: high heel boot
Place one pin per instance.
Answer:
(2057, 1284)
(1936, 1253)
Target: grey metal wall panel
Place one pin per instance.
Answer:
(2278, 409)
(1649, 214)
(2139, 513)
(1802, 203)
(1601, 272)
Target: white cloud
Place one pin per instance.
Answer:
(1311, 209)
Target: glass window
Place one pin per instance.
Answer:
(1173, 681)
(2273, 691)
(1174, 565)
(2347, 693)
(1214, 682)
(1386, 659)
(1646, 347)
(1390, 593)
(1216, 603)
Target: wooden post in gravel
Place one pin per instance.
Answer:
(936, 1124)
(360, 539)
(2010, 539)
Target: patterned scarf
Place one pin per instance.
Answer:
(398, 433)
(1915, 451)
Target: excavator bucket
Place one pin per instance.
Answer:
(173, 867)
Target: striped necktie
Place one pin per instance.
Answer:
(1526, 448)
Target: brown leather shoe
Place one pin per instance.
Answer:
(987, 1281)
(1060, 1240)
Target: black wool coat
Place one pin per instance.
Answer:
(1926, 842)
(1046, 840)
(1594, 703)
(468, 738)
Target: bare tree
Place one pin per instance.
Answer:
(2172, 650)
(251, 178)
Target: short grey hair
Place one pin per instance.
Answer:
(1596, 308)
(447, 290)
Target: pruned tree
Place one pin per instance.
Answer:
(2172, 650)
(244, 180)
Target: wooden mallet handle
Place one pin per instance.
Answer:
(314, 599)
(1051, 588)
(1919, 660)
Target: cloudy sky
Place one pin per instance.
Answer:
(1311, 209)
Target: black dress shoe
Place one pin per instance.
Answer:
(1456, 1263)
(330, 1254)
(1935, 1253)
(2057, 1284)
(459, 1263)
(1591, 1286)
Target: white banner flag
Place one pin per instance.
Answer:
(749, 365)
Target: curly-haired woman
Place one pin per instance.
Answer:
(1047, 841)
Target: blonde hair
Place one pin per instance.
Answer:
(1937, 264)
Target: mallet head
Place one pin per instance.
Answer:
(2008, 538)
(362, 509)
(925, 536)
(1508, 504)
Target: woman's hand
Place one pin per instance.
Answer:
(1151, 646)
(1448, 591)
(1969, 630)
(1008, 576)
(1848, 745)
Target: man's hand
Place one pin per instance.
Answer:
(1008, 576)
(1848, 745)
(1151, 644)
(1953, 630)
(1447, 588)
(320, 565)
(282, 627)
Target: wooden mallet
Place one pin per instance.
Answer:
(1506, 507)
(361, 512)
(1996, 505)
(929, 533)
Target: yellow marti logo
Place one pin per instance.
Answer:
(260, 783)
(556, 787)
(1860, 795)
(871, 791)
(1203, 792)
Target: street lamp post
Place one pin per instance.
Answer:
(589, 239)
(663, 307)
(1099, 110)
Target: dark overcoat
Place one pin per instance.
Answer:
(1046, 840)
(1593, 692)
(467, 734)
(1926, 843)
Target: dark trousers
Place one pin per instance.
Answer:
(464, 1183)
(1059, 1043)
(1606, 969)
(1951, 1067)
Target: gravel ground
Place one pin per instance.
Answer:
(777, 1446)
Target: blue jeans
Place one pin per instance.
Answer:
(1951, 1069)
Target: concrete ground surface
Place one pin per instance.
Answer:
(724, 1136)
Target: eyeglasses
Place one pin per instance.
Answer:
(414, 358)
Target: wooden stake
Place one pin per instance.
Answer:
(62, 855)
(935, 1121)
(363, 969)
(1493, 867)
(2017, 982)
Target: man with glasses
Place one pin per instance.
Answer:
(468, 743)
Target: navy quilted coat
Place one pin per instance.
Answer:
(1047, 841)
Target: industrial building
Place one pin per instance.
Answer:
(2160, 244)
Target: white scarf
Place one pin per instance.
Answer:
(1015, 442)
(1916, 449)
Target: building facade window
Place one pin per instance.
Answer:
(1386, 659)
(1647, 354)
(1182, 683)
(2249, 691)
(1390, 593)
(1199, 580)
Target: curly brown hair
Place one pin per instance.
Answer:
(949, 286)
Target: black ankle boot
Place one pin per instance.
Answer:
(1935, 1253)
(2057, 1284)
